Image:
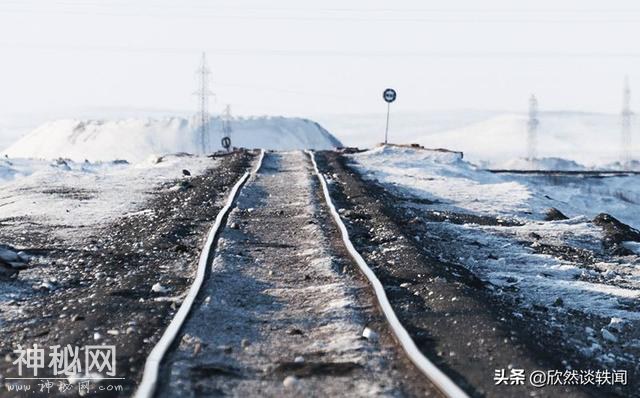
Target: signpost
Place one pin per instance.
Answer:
(226, 143)
(389, 96)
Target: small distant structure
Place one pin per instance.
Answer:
(203, 93)
(532, 129)
(226, 126)
(625, 154)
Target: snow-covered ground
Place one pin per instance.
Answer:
(136, 139)
(68, 201)
(493, 138)
(82, 193)
(460, 186)
(507, 256)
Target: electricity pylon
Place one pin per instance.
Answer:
(226, 123)
(626, 123)
(203, 93)
(532, 129)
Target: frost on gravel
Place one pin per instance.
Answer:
(82, 194)
(68, 201)
(555, 264)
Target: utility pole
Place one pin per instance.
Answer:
(532, 129)
(226, 126)
(203, 93)
(625, 157)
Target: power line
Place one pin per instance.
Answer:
(203, 93)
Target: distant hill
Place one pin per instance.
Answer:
(137, 139)
(494, 138)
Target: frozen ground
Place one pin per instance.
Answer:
(558, 265)
(76, 194)
(67, 201)
(460, 186)
(137, 139)
(493, 138)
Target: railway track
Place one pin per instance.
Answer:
(299, 167)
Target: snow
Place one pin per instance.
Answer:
(539, 164)
(137, 139)
(495, 138)
(499, 254)
(460, 186)
(633, 246)
(16, 168)
(81, 194)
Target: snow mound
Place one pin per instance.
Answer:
(413, 155)
(137, 139)
(555, 164)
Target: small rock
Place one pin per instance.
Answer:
(607, 335)
(158, 288)
(181, 186)
(245, 343)
(615, 234)
(186, 172)
(553, 214)
(369, 334)
(7, 270)
(97, 336)
(295, 331)
(45, 287)
(299, 359)
(180, 248)
(617, 324)
(559, 302)
(535, 236)
(290, 382)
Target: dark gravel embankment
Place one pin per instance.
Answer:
(122, 284)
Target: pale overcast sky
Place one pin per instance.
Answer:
(295, 57)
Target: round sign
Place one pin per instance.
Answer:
(226, 142)
(389, 95)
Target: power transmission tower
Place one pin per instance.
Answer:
(532, 128)
(226, 124)
(626, 123)
(203, 93)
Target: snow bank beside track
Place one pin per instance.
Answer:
(558, 267)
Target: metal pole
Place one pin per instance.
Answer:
(386, 131)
